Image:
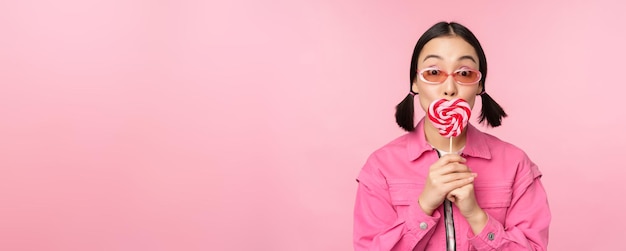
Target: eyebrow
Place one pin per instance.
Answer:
(461, 58)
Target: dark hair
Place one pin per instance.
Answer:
(491, 111)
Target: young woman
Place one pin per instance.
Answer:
(496, 199)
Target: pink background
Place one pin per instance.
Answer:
(186, 125)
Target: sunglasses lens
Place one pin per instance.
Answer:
(434, 75)
(467, 76)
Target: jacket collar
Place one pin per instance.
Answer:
(475, 144)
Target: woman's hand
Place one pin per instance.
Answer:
(445, 175)
(465, 199)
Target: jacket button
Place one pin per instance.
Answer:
(491, 236)
(423, 226)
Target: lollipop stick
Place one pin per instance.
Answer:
(449, 220)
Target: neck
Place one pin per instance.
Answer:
(442, 143)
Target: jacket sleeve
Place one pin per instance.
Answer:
(527, 219)
(377, 223)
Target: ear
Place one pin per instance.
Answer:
(480, 89)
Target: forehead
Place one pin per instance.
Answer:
(447, 48)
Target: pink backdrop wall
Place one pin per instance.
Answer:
(186, 125)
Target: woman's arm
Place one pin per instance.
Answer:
(527, 219)
(378, 225)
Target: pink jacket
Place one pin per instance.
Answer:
(508, 188)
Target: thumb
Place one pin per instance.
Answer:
(451, 196)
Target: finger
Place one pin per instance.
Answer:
(444, 179)
(452, 168)
(453, 185)
(447, 159)
(459, 192)
(450, 158)
(451, 196)
(460, 181)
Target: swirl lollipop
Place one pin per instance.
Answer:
(449, 116)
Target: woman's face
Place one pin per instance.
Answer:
(448, 54)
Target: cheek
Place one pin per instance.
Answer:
(425, 100)
(424, 103)
(471, 100)
(424, 96)
(470, 96)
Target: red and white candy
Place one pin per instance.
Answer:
(449, 116)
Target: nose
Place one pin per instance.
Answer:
(449, 87)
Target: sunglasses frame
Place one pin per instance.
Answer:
(421, 76)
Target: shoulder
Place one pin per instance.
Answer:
(398, 144)
(392, 155)
(499, 147)
(511, 155)
(394, 149)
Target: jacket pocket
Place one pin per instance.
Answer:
(495, 199)
(404, 192)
